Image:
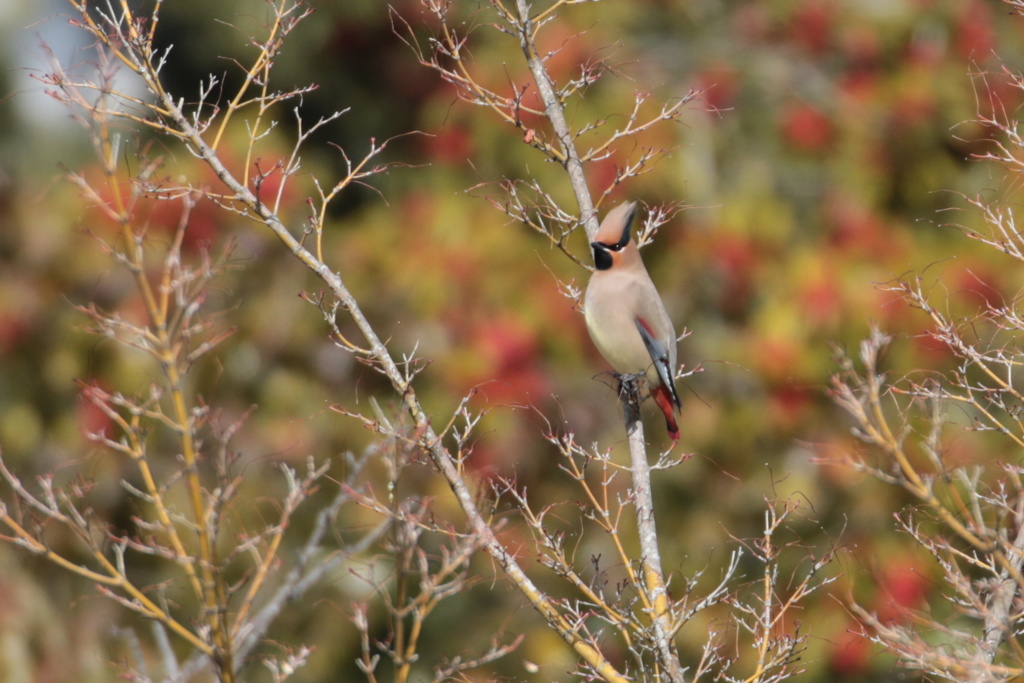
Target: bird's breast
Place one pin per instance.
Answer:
(612, 325)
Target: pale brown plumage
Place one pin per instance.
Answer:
(625, 315)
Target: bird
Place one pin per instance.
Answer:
(625, 315)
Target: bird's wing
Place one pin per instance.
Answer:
(660, 355)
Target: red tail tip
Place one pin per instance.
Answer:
(663, 398)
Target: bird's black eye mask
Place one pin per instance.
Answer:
(602, 255)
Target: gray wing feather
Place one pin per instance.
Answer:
(659, 354)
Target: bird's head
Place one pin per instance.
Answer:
(613, 242)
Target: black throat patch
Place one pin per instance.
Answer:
(602, 257)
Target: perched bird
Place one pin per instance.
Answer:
(625, 315)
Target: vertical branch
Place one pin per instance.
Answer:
(654, 580)
(165, 346)
(526, 27)
(555, 113)
(647, 531)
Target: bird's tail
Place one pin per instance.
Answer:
(666, 400)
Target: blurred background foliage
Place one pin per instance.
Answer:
(825, 155)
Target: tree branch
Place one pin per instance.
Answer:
(650, 560)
